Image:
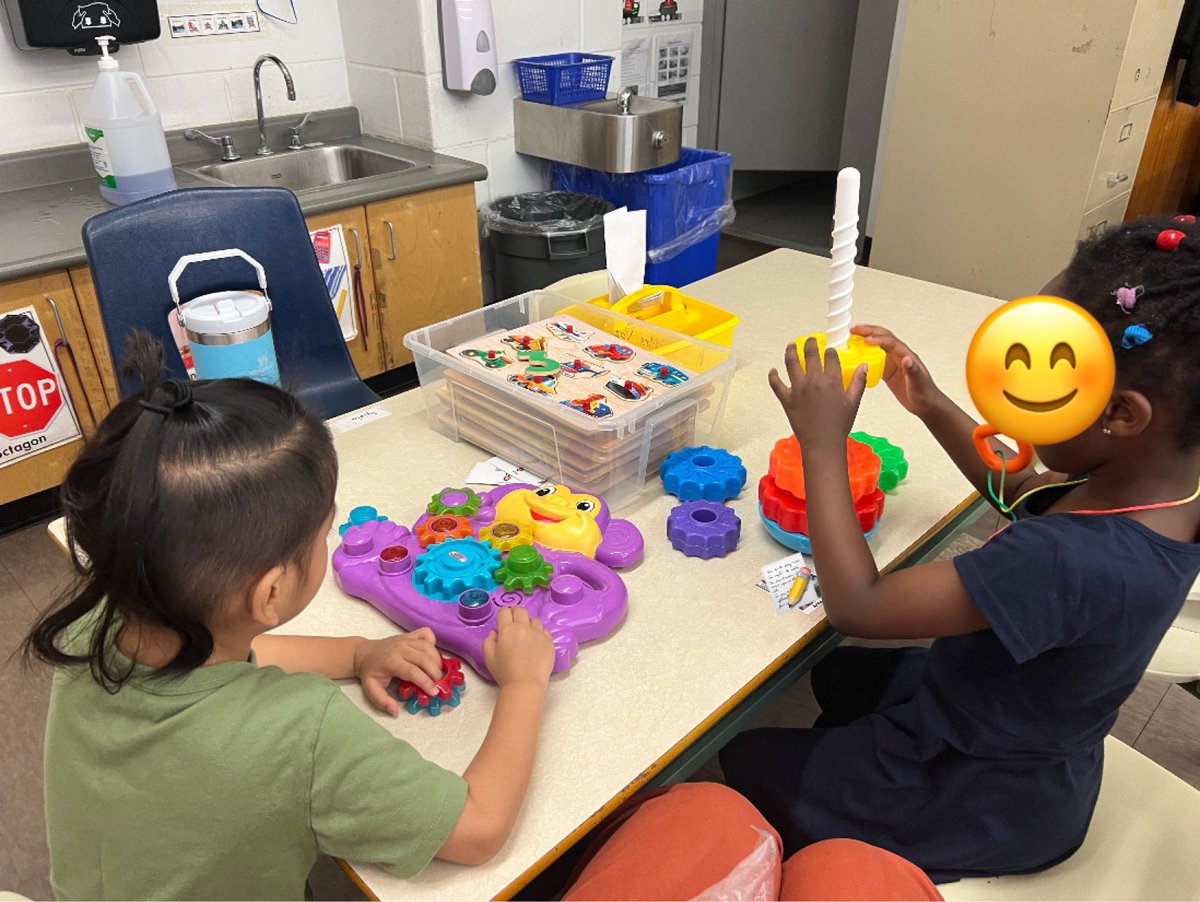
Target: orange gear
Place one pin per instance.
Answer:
(788, 469)
(438, 529)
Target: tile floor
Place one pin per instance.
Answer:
(796, 214)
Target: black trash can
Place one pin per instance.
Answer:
(543, 236)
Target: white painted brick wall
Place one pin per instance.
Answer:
(464, 125)
(193, 81)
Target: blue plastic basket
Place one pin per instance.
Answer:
(562, 78)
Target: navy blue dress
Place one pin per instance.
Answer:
(982, 754)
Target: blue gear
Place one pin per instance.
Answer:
(359, 516)
(703, 474)
(436, 703)
(449, 568)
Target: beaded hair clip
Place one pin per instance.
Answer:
(1127, 296)
(1135, 335)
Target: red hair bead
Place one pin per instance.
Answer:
(1187, 218)
(1168, 239)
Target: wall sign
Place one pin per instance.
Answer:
(35, 410)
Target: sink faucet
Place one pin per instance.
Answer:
(263, 149)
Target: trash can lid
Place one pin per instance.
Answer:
(544, 212)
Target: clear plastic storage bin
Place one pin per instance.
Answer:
(611, 457)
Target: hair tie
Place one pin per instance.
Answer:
(182, 391)
(1169, 239)
(1127, 295)
(1186, 218)
(1135, 335)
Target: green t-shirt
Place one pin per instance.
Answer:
(226, 783)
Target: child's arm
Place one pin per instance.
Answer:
(412, 656)
(926, 601)
(910, 381)
(520, 655)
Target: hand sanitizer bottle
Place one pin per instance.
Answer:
(125, 135)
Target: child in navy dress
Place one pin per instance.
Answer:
(983, 753)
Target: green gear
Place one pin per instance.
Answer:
(893, 467)
(523, 569)
(467, 509)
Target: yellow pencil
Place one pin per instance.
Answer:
(796, 592)
(341, 303)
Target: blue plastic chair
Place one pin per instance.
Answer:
(132, 250)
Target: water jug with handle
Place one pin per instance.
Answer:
(229, 332)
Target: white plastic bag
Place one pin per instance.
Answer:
(755, 877)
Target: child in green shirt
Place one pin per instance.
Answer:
(189, 753)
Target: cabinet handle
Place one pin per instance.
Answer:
(392, 235)
(357, 245)
(1116, 178)
(61, 343)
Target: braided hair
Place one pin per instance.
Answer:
(1125, 279)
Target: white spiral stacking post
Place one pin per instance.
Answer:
(845, 247)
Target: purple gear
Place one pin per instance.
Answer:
(703, 529)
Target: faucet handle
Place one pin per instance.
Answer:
(294, 134)
(225, 142)
(624, 97)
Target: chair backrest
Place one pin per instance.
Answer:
(132, 250)
(1141, 843)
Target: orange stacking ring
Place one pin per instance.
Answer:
(787, 468)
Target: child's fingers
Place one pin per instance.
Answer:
(791, 361)
(519, 614)
(858, 384)
(376, 693)
(427, 658)
(489, 648)
(832, 364)
(777, 385)
(415, 672)
(424, 634)
(504, 618)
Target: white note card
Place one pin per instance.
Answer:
(779, 577)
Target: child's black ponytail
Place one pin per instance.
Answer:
(185, 494)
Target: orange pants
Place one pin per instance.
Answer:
(683, 841)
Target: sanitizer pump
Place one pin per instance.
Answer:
(125, 134)
(468, 45)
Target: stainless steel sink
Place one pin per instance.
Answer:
(300, 170)
(629, 133)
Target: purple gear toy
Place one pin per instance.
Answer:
(457, 586)
(703, 529)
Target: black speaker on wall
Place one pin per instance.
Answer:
(74, 25)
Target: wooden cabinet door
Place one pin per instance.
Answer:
(425, 253)
(89, 310)
(366, 349)
(46, 294)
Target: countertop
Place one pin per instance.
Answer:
(40, 223)
(698, 635)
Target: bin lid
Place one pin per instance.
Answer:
(545, 212)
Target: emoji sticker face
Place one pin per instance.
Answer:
(1040, 370)
(560, 519)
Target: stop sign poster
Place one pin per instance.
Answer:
(35, 410)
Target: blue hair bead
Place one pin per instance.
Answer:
(1135, 335)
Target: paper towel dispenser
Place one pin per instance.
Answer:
(74, 25)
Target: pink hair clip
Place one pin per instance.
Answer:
(1127, 296)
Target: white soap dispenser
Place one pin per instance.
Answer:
(468, 37)
(125, 134)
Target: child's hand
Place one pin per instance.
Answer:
(520, 649)
(903, 371)
(413, 657)
(817, 406)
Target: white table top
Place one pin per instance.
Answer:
(699, 636)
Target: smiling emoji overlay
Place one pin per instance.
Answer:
(1040, 370)
(560, 519)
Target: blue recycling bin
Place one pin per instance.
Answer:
(687, 203)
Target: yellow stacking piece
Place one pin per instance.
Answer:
(856, 353)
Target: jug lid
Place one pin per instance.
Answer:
(224, 312)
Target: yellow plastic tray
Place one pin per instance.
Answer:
(670, 308)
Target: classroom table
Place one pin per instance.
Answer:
(702, 649)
